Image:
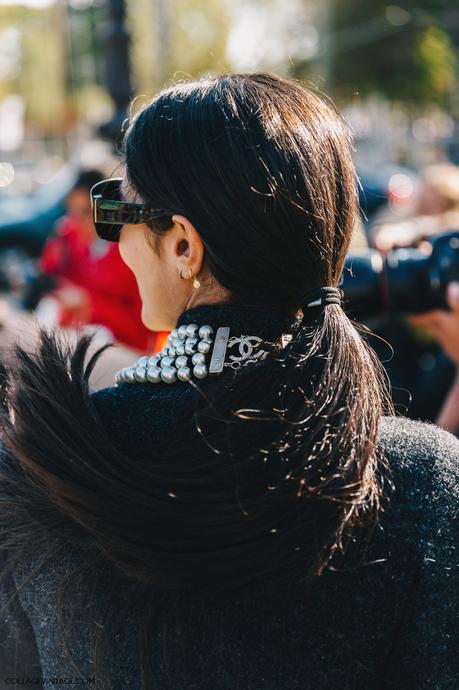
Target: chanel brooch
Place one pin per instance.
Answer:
(194, 352)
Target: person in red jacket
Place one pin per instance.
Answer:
(93, 284)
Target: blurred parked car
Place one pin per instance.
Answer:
(26, 221)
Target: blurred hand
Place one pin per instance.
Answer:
(444, 325)
(407, 233)
(392, 235)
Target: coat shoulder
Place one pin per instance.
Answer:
(141, 417)
(424, 471)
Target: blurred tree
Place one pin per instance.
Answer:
(52, 56)
(273, 35)
(176, 38)
(407, 53)
(199, 32)
(40, 74)
(86, 43)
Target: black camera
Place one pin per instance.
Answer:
(406, 280)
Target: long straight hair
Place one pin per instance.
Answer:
(285, 466)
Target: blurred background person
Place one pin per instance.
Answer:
(435, 209)
(81, 282)
(423, 365)
(444, 326)
(92, 285)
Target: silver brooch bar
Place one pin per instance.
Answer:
(219, 352)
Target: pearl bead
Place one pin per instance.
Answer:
(129, 375)
(190, 346)
(154, 374)
(164, 352)
(166, 362)
(205, 331)
(140, 374)
(180, 348)
(191, 330)
(181, 362)
(174, 333)
(119, 376)
(142, 361)
(200, 371)
(176, 342)
(153, 361)
(172, 352)
(169, 374)
(184, 374)
(204, 346)
(182, 332)
(198, 358)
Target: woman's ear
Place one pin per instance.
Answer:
(188, 247)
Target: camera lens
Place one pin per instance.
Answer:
(406, 280)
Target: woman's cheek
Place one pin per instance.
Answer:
(132, 247)
(123, 247)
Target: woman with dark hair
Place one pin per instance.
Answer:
(237, 512)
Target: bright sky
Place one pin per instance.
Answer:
(29, 3)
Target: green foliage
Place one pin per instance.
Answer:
(405, 53)
(41, 75)
(435, 55)
(199, 36)
(60, 78)
(191, 41)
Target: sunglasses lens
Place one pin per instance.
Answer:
(107, 209)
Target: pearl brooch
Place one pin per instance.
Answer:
(193, 352)
(183, 358)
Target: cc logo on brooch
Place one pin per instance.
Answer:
(247, 345)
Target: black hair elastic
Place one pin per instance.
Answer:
(321, 297)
